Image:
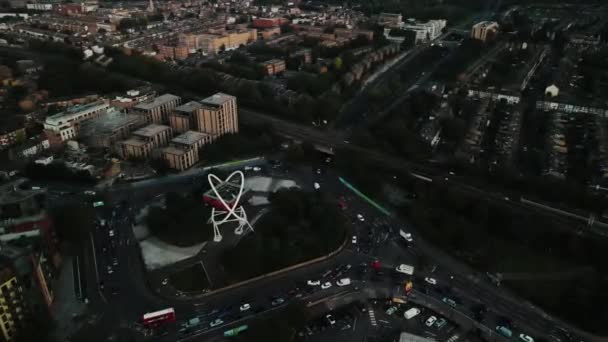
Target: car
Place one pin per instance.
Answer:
(343, 282)
(318, 171)
(328, 160)
(391, 310)
(449, 301)
(111, 233)
(406, 236)
(165, 281)
(354, 239)
(115, 262)
(430, 321)
(360, 217)
(526, 338)
(431, 281)
(216, 323)
(405, 269)
(90, 193)
(277, 301)
(314, 282)
(441, 323)
(326, 285)
(257, 169)
(245, 307)
(330, 319)
(110, 271)
(102, 223)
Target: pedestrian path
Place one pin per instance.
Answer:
(453, 338)
(372, 316)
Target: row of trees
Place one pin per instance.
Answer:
(299, 227)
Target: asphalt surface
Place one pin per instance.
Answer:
(121, 297)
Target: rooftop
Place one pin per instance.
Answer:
(173, 150)
(151, 130)
(189, 138)
(189, 107)
(135, 142)
(75, 111)
(217, 99)
(114, 119)
(158, 101)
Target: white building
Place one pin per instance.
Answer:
(64, 126)
(426, 31)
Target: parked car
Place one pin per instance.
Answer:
(216, 323)
(360, 217)
(277, 301)
(354, 240)
(441, 323)
(245, 307)
(314, 282)
(526, 338)
(431, 281)
(343, 282)
(430, 321)
(326, 285)
(330, 319)
(449, 301)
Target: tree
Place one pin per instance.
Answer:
(338, 63)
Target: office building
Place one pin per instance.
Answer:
(426, 31)
(157, 111)
(184, 150)
(181, 117)
(144, 141)
(392, 20)
(65, 125)
(484, 30)
(218, 115)
(106, 131)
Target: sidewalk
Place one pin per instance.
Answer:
(65, 305)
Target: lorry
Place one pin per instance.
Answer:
(411, 313)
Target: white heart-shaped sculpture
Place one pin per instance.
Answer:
(213, 180)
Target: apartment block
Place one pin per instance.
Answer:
(484, 30)
(157, 111)
(218, 116)
(274, 66)
(12, 304)
(426, 31)
(65, 125)
(181, 118)
(158, 135)
(173, 51)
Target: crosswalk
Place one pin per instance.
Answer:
(372, 317)
(453, 338)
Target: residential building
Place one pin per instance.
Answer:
(11, 132)
(157, 111)
(181, 118)
(184, 150)
(30, 148)
(175, 51)
(269, 33)
(274, 66)
(484, 30)
(263, 23)
(12, 304)
(108, 130)
(134, 148)
(211, 44)
(158, 135)
(65, 125)
(305, 55)
(352, 34)
(218, 116)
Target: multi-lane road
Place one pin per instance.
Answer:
(117, 286)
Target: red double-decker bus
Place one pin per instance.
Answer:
(156, 318)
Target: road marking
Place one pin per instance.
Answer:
(372, 316)
(206, 274)
(96, 269)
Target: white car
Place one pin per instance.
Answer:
(245, 307)
(111, 232)
(354, 240)
(165, 281)
(110, 271)
(430, 321)
(318, 171)
(326, 285)
(314, 282)
(431, 281)
(216, 323)
(360, 217)
(526, 338)
(257, 169)
(343, 282)
(408, 237)
(330, 319)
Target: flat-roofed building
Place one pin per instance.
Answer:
(106, 131)
(484, 30)
(274, 66)
(158, 135)
(181, 118)
(218, 115)
(12, 303)
(184, 150)
(157, 111)
(65, 125)
(135, 148)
